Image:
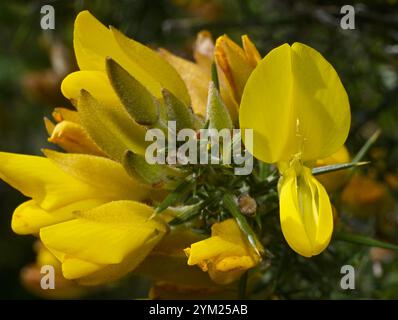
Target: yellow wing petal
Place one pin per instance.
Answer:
(95, 82)
(29, 217)
(113, 272)
(107, 176)
(38, 178)
(105, 234)
(73, 268)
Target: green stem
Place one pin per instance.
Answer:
(365, 148)
(363, 240)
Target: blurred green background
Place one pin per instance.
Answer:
(33, 62)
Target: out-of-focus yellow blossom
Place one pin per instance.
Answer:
(365, 196)
(299, 112)
(333, 181)
(97, 230)
(392, 180)
(31, 277)
(226, 255)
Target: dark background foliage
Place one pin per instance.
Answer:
(32, 62)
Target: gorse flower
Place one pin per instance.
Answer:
(103, 211)
(85, 210)
(299, 111)
(225, 254)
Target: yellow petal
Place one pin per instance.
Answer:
(227, 95)
(95, 82)
(73, 268)
(29, 217)
(60, 114)
(107, 176)
(50, 126)
(212, 247)
(106, 234)
(226, 255)
(153, 64)
(72, 137)
(232, 60)
(196, 80)
(305, 213)
(295, 103)
(38, 178)
(251, 52)
(93, 42)
(113, 272)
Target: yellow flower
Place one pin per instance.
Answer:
(234, 66)
(226, 255)
(236, 63)
(69, 134)
(376, 200)
(299, 112)
(85, 210)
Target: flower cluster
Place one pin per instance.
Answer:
(103, 211)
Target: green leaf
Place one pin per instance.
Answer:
(217, 113)
(336, 167)
(365, 148)
(176, 196)
(233, 209)
(136, 99)
(110, 127)
(364, 240)
(157, 175)
(185, 213)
